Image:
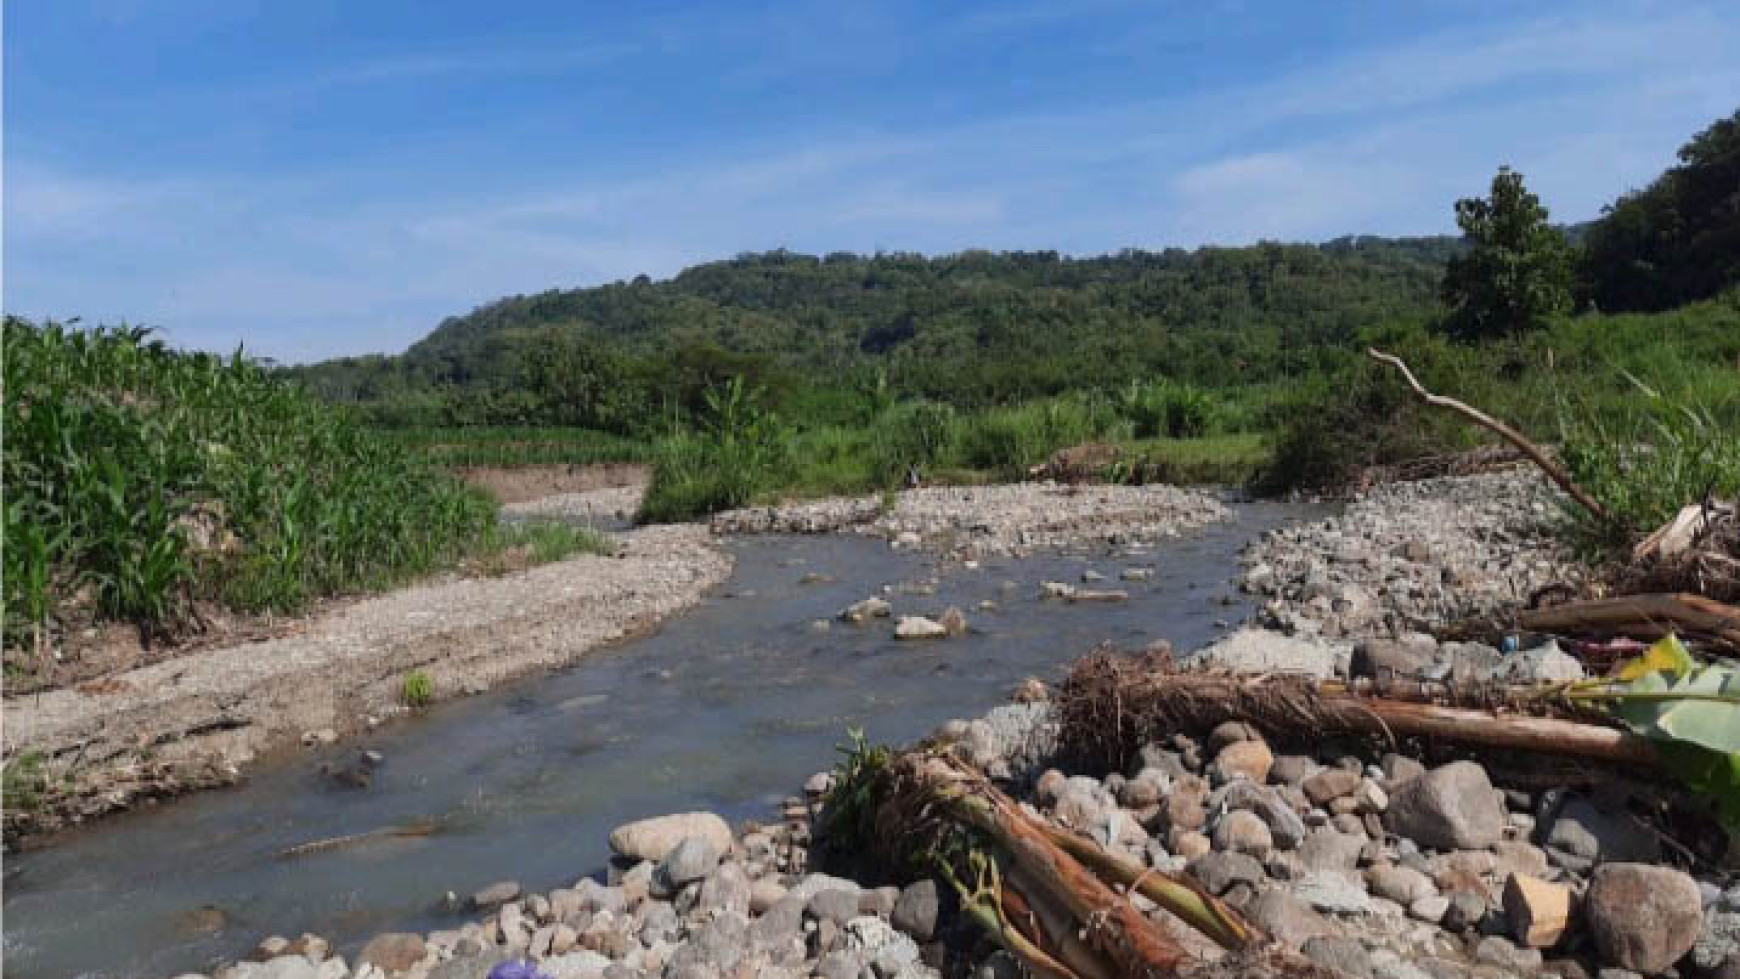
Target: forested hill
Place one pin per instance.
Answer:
(971, 327)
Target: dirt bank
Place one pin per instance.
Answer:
(518, 484)
(198, 720)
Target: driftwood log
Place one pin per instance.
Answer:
(1111, 704)
(1640, 615)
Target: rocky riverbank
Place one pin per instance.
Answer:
(199, 720)
(1371, 860)
(966, 522)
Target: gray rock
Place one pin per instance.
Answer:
(839, 965)
(720, 943)
(1219, 871)
(915, 912)
(1720, 940)
(1583, 831)
(1642, 917)
(1542, 664)
(1386, 659)
(1333, 893)
(690, 860)
(1291, 921)
(282, 967)
(1464, 912)
(1342, 954)
(1329, 851)
(1402, 885)
(833, 905)
(1263, 651)
(393, 952)
(918, 627)
(1452, 807)
(1500, 951)
(1286, 829)
(578, 964)
(726, 888)
(470, 966)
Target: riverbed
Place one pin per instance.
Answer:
(727, 708)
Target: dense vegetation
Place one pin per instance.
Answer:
(142, 482)
(833, 339)
(1677, 240)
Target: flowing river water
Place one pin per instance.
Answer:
(728, 707)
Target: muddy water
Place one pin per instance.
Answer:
(727, 708)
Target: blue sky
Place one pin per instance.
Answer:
(324, 177)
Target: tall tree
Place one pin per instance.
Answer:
(1677, 240)
(1517, 271)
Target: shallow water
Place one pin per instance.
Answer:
(728, 707)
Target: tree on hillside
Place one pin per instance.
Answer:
(1676, 241)
(1517, 271)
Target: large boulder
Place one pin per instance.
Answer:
(1643, 918)
(652, 839)
(1263, 651)
(1452, 807)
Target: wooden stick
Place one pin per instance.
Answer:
(1481, 418)
(1655, 612)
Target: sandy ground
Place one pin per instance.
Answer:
(519, 484)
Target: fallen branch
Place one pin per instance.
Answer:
(1511, 435)
(1111, 705)
(1652, 615)
(407, 831)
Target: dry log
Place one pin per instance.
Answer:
(1645, 614)
(1110, 705)
(1511, 435)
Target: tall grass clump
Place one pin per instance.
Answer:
(1644, 469)
(734, 453)
(142, 481)
(1166, 409)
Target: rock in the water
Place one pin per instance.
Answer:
(953, 621)
(1642, 917)
(918, 627)
(1537, 911)
(495, 894)
(393, 952)
(869, 608)
(652, 839)
(916, 910)
(1452, 807)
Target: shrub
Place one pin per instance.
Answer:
(735, 455)
(418, 690)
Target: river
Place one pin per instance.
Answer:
(727, 707)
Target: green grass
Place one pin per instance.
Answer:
(142, 481)
(418, 690)
(474, 446)
(22, 782)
